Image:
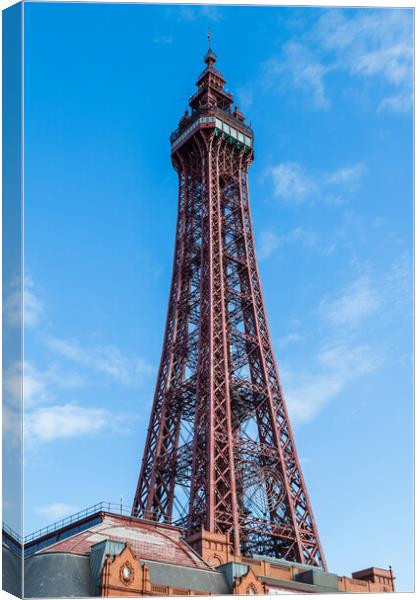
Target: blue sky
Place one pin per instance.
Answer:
(329, 95)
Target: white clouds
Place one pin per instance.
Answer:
(357, 301)
(211, 12)
(340, 364)
(187, 13)
(191, 13)
(109, 360)
(33, 307)
(12, 405)
(47, 414)
(328, 250)
(57, 510)
(12, 385)
(35, 386)
(291, 338)
(374, 46)
(12, 425)
(307, 396)
(13, 303)
(47, 421)
(347, 174)
(270, 241)
(395, 104)
(348, 361)
(392, 63)
(298, 68)
(19, 302)
(39, 386)
(293, 184)
(47, 424)
(370, 42)
(245, 97)
(345, 354)
(290, 182)
(303, 236)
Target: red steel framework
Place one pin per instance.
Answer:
(220, 453)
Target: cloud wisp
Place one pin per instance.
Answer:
(371, 46)
(46, 418)
(338, 364)
(292, 183)
(57, 510)
(48, 421)
(37, 384)
(344, 353)
(290, 338)
(346, 175)
(269, 241)
(51, 423)
(191, 13)
(375, 45)
(23, 302)
(108, 360)
(302, 70)
(356, 302)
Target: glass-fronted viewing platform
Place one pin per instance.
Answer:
(225, 124)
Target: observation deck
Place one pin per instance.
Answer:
(224, 123)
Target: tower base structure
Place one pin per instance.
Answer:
(103, 553)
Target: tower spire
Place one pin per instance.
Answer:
(210, 57)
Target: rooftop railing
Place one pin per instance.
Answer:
(111, 507)
(11, 533)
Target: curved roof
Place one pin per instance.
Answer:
(150, 541)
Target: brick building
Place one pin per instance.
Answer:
(101, 553)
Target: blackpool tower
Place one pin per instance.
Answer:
(219, 454)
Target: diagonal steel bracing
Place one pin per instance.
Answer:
(220, 452)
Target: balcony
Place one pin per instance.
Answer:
(223, 115)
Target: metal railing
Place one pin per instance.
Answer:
(212, 112)
(121, 509)
(211, 70)
(12, 533)
(237, 123)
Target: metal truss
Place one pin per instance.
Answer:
(220, 453)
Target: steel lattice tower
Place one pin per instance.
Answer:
(220, 453)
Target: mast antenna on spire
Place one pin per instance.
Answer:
(209, 38)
